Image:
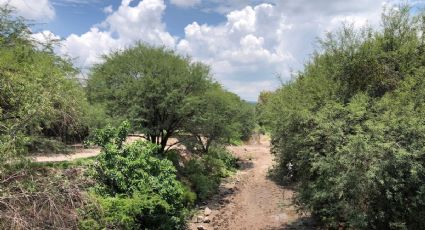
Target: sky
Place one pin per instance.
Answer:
(251, 45)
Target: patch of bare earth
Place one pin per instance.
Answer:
(78, 151)
(250, 200)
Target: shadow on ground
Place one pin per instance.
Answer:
(245, 164)
(303, 223)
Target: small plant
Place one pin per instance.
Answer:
(206, 172)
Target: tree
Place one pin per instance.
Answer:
(135, 189)
(39, 95)
(218, 119)
(157, 90)
(349, 130)
(260, 107)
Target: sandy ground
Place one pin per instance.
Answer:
(250, 200)
(80, 152)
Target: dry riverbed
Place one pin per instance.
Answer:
(250, 200)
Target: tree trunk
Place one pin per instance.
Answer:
(164, 141)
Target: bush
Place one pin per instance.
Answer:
(37, 197)
(350, 130)
(136, 189)
(206, 172)
(39, 96)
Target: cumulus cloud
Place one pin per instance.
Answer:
(40, 10)
(256, 41)
(45, 36)
(185, 3)
(262, 40)
(246, 51)
(121, 28)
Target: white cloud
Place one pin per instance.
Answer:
(88, 48)
(185, 3)
(245, 52)
(45, 36)
(108, 9)
(40, 10)
(257, 40)
(121, 28)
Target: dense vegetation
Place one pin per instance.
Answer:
(349, 131)
(135, 188)
(41, 102)
(163, 95)
(141, 185)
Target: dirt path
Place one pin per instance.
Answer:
(79, 152)
(250, 200)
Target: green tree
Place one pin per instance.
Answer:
(39, 95)
(222, 116)
(349, 130)
(135, 189)
(157, 90)
(260, 107)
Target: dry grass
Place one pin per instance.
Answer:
(41, 198)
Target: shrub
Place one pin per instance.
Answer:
(38, 197)
(136, 189)
(205, 173)
(349, 131)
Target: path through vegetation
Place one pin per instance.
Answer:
(250, 200)
(247, 200)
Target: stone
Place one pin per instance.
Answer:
(199, 219)
(207, 220)
(194, 219)
(200, 227)
(207, 211)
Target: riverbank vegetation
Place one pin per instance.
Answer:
(151, 91)
(348, 131)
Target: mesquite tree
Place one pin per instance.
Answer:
(154, 88)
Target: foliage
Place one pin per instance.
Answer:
(349, 130)
(156, 89)
(205, 173)
(261, 109)
(136, 189)
(39, 95)
(39, 197)
(222, 117)
(163, 94)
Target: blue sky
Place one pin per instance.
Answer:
(247, 43)
(79, 16)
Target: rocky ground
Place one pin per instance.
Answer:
(250, 200)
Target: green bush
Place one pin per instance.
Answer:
(350, 130)
(135, 189)
(40, 95)
(205, 173)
